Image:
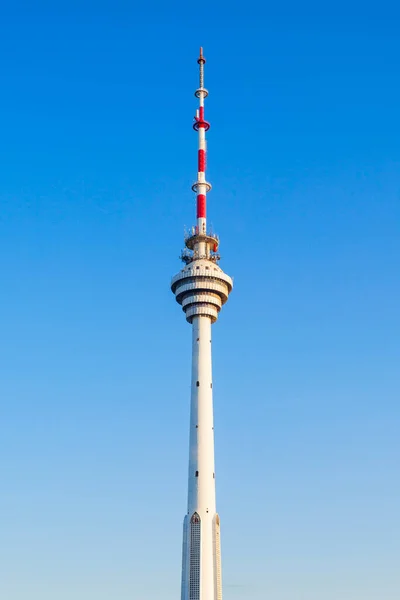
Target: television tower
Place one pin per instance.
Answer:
(201, 288)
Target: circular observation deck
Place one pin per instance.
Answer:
(201, 288)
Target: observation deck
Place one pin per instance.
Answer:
(201, 288)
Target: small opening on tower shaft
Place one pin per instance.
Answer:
(197, 383)
(197, 473)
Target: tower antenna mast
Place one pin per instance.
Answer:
(201, 187)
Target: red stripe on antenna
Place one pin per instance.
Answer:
(201, 206)
(202, 161)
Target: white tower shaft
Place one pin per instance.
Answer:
(203, 577)
(201, 495)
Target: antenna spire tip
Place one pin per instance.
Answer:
(201, 58)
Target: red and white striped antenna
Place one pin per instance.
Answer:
(201, 187)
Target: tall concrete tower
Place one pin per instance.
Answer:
(201, 288)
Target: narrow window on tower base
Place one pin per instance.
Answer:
(194, 558)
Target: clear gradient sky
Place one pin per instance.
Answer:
(97, 156)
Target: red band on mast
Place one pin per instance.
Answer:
(202, 161)
(201, 206)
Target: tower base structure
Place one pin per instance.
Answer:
(197, 535)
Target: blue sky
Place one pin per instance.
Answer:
(97, 158)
